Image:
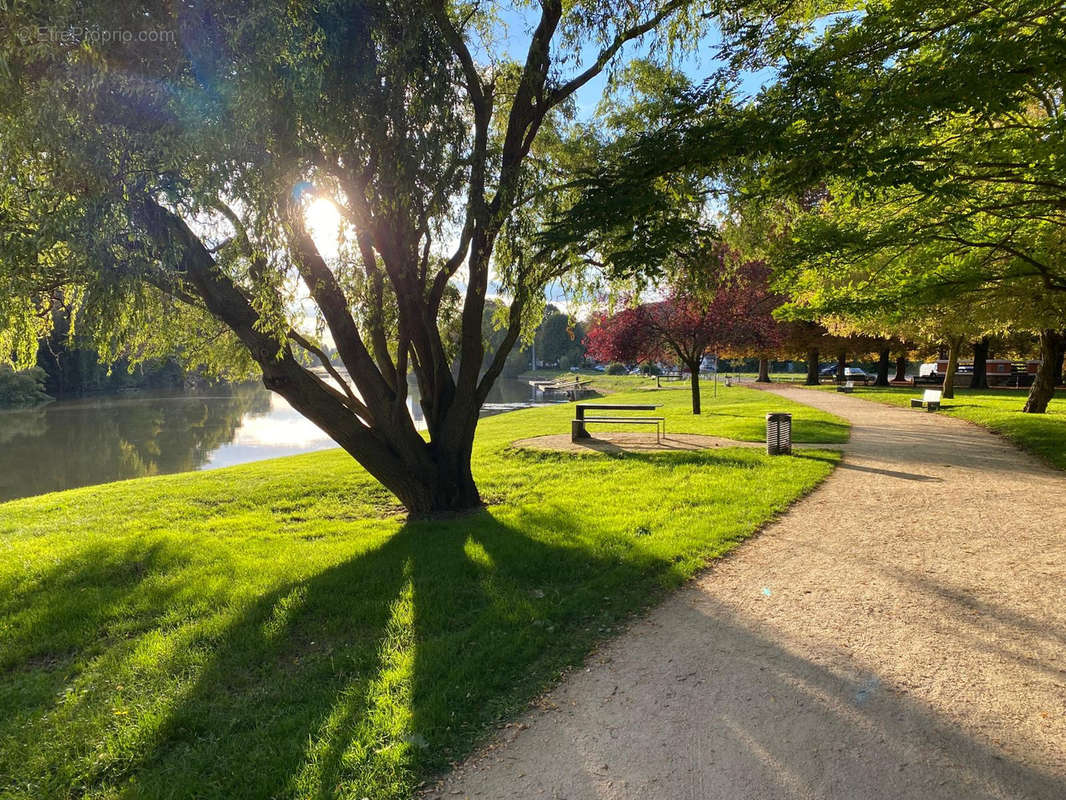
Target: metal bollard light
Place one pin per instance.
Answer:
(778, 434)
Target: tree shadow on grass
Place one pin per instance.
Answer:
(88, 608)
(66, 610)
(81, 608)
(375, 673)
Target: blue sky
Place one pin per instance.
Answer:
(697, 64)
(514, 36)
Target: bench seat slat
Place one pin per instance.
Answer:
(624, 419)
(579, 424)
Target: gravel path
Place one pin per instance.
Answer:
(901, 633)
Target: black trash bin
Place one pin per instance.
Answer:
(778, 434)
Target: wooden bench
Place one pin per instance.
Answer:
(847, 386)
(582, 418)
(930, 400)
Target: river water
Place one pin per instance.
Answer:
(100, 439)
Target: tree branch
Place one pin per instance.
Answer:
(330, 298)
(609, 52)
(351, 400)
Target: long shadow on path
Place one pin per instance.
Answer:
(715, 706)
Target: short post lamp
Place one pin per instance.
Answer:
(778, 434)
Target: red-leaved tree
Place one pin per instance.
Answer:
(732, 319)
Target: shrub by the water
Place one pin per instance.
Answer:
(22, 389)
(616, 369)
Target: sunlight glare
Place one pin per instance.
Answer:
(324, 224)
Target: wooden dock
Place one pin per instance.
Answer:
(572, 389)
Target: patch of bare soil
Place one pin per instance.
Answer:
(629, 443)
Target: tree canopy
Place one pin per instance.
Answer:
(172, 189)
(905, 154)
(689, 324)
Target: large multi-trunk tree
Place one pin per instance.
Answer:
(164, 182)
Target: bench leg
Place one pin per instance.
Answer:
(577, 430)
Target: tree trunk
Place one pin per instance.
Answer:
(882, 368)
(694, 371)
(1060, 356)
(954, 345)
(812, 367)
(764, 370)
(1043, 388)
(454, 488)
(427, 477)
(842, 363)
(901, 368)
(980, 364)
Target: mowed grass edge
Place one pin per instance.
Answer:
(278, 630)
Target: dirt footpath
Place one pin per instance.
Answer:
(901, 633)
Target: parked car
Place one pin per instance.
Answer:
(858, 375)
(853, 374)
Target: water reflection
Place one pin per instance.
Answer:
(279, 431)
(82, 442)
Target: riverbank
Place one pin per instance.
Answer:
(23, 389)
(108, 437)
(278, 629)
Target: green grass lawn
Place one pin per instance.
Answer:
(278, 630)
(777, 377)
(1044, 435)
(615, 382)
